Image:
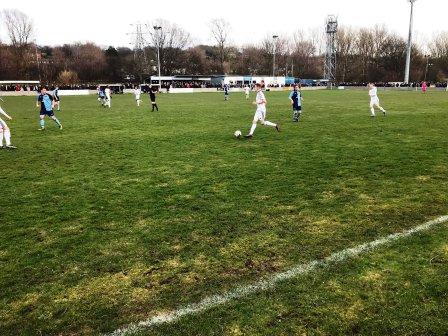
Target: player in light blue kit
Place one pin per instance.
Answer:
(46, 108)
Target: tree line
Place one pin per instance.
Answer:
(365, 54)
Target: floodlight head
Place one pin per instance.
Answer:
(332, 24)
(412, 1)
(274, 36)
(157, 27)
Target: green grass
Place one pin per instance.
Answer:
(127, 213)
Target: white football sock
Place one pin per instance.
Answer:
(268, 123)
(1, 137)
(7, 134)
(372, 111)
(382, 110)
(252, 129)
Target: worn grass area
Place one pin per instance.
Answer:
(126, 213)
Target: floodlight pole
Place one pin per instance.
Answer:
(157, 29)
(408, 54)
(139, 49)
(331, 29)
(274, 38)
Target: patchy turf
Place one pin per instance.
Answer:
(126, 213)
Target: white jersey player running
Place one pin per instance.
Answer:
(107, 94)
(4, 131)
(137, 93)
(260, 113)
(374, 100)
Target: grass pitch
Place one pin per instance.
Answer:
(128, 213)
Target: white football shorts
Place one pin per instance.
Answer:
(260, 114)
(374, 101)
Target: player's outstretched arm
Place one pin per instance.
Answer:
(5, 114)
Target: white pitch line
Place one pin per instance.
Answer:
(269, 281)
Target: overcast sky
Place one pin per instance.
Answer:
(107, 22)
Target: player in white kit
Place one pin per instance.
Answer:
(374, 100)
(137, 93)
(4, 131)
(260, 113)
(107, 94)
(247, 91)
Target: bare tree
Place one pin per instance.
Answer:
(19, 28)
(67, 77)
(250, 61)
(346, 40)
(392, 60)
(438, 47)
(7, 62)
(195, 61)
(366, 54)
(365, 47)
(304, 55)
(317, 37)
(88, 61)
(172, 41)
(281, 48)
(220, 30)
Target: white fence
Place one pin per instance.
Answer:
(61, 93)
(76, 92)
(130, 91)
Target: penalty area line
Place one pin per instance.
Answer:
(269, 281)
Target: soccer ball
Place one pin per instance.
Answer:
(237, 134)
